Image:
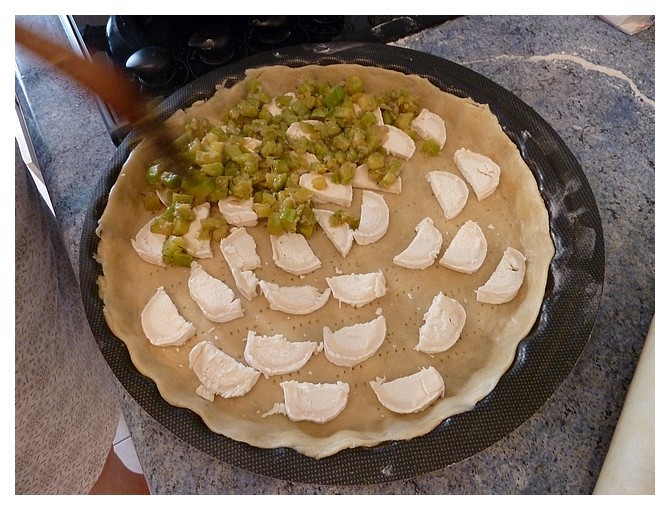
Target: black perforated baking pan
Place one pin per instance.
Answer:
(544, 358)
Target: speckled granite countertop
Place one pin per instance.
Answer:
(595, 86)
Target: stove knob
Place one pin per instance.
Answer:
(214, 44)
(271, 29)
(152, 65)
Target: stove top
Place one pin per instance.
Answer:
(164, 53)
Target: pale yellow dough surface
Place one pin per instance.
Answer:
(515, 215)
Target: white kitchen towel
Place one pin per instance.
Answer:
(629, 466)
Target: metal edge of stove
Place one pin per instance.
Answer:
(27, 150)
(117, 129)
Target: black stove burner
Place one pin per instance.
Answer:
(323, 28)
(214, 44)
(164, 53)
(265, 33)
(211, 47)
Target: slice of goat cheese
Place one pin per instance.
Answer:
(410, 394)
(357, 289)
(481, 172)
(398, 143)
(162, 323)
(338, 194)
(238, 212)
(506, 280)
(300, 129)
(315, 402)
(450, 191)
(275, 108)
(294, 299)
(374, 220)
(239, 250)
(199, 248)
(149, 245)
(442, 325)
(292, 253)
(467, 250)
(342, 236)
(246, 282)
(362, 180)
(430, 126)
(275, 354)
(214, 298)
(219, 373)
(423, 249)
(351, 345)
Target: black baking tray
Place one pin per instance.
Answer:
(543, 359)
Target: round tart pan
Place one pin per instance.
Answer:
(544, 358)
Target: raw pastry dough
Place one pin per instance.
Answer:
(470, 368)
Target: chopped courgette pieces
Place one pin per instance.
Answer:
(247, 155)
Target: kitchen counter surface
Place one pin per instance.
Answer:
(596, 86)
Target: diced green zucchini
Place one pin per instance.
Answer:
(221, 164)
(430, 147)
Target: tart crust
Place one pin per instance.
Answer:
(516, 216)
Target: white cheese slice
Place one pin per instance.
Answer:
(238, 212)
(315, 402)
(292, 253)
(342, 236)
(442, 325)
(275, 355)
(239, 250)
(148, 245)
(199, 248)
(379, 116)
(351, 345)
(277, 408)
(481, 172)
(214, 298)
(219, 373)
(412, 393)
(506, 280)
(374, 221)
(306, 159)
(246, 282)
(377, 112)
(251, 144)
(294, 299)
(162, 323)
(295, 131)
(430, 126)
(423, 249)
(165, 196)
(275, 108)
(357, 289)
(467, 250)
(362, 180)
(398, 143)
(339, 194)
(450, 191)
